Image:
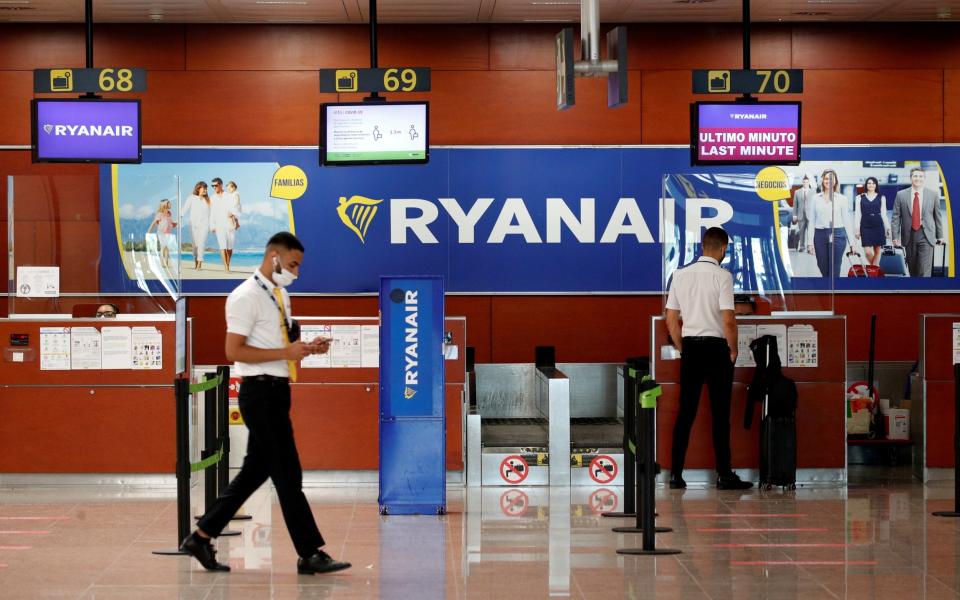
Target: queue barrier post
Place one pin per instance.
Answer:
(181, 390)
(956, 448)
(223, 433)
(647, 391)
(629, 445)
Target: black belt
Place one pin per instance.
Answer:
(263, 379)
(703, 338)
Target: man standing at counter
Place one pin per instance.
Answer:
(702, 293)
(262, 341)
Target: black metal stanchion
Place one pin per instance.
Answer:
(181, 390)
(648, 391)
(212, 457)
(223, 428)
(956, 448)
(629, 444)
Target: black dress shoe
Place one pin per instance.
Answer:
(732, 481)
(677, 483)
(203, 551)
(321, 562)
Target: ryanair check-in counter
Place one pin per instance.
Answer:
(335, 402)
(83, 396)
(546, 423)
(821, 417)
(933, 392)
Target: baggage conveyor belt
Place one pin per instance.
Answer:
(585, 432)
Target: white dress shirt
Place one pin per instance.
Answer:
(252, 312)
(700, 291)
(822, 217)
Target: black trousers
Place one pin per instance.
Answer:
(704, 360)
(271, 452)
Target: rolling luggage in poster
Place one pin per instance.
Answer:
(941, 269)
(893, 261)
(862, 269)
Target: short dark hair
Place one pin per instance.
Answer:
(715, 238)
(216, 181)
(115, 308)
(286, 240)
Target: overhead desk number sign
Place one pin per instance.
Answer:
(108, 79)
(748, 81)
(396, 79)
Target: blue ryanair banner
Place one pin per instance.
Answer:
(412, 416)
(527, 220)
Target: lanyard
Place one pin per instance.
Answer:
(283, 314)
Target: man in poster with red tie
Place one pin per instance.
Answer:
(917, 225)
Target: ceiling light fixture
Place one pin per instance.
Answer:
(296, 2)
(944, 13)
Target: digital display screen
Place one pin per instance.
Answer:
(731, 133)
(82, 130)
(374, 133)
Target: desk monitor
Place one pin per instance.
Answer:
(367, 133)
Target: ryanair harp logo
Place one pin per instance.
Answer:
(409, 393)
(357, 213)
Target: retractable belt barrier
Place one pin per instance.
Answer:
(647, 393)
(956, 448)
(633, 369)
(216, 455)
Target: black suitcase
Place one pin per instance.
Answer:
(778, 452)
(941, 269)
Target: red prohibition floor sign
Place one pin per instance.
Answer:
(603, 469)
(514, 469)
(514, 503)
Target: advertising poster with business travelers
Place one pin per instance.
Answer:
(534, 220)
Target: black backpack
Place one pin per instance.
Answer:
(769, 382)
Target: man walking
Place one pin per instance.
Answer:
(702, 295)
(917, 224)
(259, 340)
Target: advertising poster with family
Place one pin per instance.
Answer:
(532, 220)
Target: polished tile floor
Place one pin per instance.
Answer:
(874, 540)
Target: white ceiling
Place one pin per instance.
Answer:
(473, 11)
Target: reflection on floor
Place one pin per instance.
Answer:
(868, 541)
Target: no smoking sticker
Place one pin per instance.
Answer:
(514, 503)
(514, 469)
(603, 469)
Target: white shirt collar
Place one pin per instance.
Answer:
(709, 259)
(265, 280)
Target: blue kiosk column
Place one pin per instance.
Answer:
(413, 469)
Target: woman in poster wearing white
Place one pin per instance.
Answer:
(164, 222)
(829, 223)
(198, 209)
(870, 217)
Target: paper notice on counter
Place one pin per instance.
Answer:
(307, 334)
(802, 346)
(117, 347)
(745, 335)
(85, 348)
(780, 332)
(38, 282)
(956, 343)
(147, 343)
(346, 351)
(370, 346)
(54, 348)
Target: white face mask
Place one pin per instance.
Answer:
(281, 276)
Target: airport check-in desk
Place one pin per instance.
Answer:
(527, 416)
(821, 408)
(932, 420)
